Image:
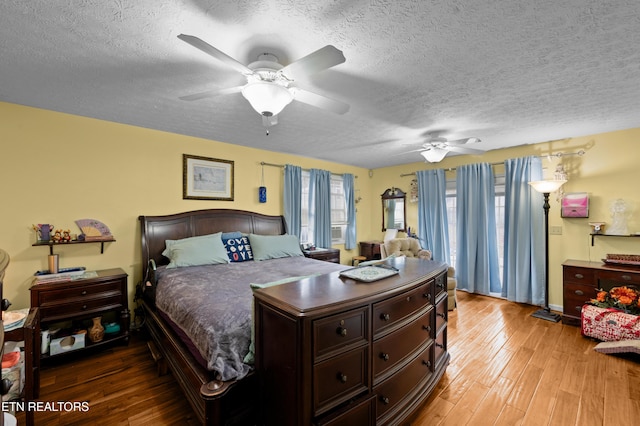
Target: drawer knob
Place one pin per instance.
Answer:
(384, 356)
(439, 345)
(441, 314)
(579, 292)
(579, 276)
(84, 292)
(578, 308)
(385, 317)
(84, 307)
(408, 298)
(426, 327)
(342, 378)
(342, 331)
(427, 296)
(427, 363)
(384, 400)
(626, 277)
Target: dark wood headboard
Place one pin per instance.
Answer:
(157, 229)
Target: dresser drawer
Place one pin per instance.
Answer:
(360, 412)
(93, 291)
(339, 333)
(578, 275)
(58, 311)
(576, 295)
(440, 346)
(395, 389)
(617, 278)
(339, 379)
(395, 347)
(442, 312)
(441, 284)
(391, 312)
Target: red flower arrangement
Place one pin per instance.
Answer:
(623, 298)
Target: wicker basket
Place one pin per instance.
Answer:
(623, 259)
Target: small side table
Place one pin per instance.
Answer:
(326, 254)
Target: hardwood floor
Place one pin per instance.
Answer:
(507, 368)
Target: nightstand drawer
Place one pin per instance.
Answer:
(65, 295)
(59, 311)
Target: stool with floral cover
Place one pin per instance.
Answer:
(613, 315)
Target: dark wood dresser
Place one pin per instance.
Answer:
(581, 280)
(370, 249)
(334, 351)
(328, 254)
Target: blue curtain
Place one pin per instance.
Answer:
(349, 198)
(293, 199)
(433, 230)
(477, 263)
(320, 206)
(523, 275)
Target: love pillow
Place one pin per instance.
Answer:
(238, 249)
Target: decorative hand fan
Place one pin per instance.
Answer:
(94, 230)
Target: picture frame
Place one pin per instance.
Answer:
(206, 178)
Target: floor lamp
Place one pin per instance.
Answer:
(545, 187)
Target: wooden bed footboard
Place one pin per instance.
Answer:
(214, 402)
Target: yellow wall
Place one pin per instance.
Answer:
(57, 168)
(609, 169)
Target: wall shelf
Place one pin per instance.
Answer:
(593, 236)
(51, 244)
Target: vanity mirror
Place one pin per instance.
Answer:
(393, 209)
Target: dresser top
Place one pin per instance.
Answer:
(601, 266)
(325, 292)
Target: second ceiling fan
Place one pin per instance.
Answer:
(271, 86)
(436, 148)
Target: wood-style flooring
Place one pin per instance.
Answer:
(507, 368)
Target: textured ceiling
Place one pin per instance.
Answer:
(510, 72)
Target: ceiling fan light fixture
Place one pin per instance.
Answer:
(267, 98)
(434, 155)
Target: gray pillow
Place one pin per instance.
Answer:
(274, 246)
(194, 251)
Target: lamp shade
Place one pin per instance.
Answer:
(267, 98)
(434, 155)
(546, 186)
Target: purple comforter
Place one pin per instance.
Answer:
(212, 304)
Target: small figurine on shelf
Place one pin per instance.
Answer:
(57, 236)
(66, 236)
(43, 232)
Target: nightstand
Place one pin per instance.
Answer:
(326, 254)
(78, 301)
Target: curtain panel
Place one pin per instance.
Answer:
(320, 206)
(349, 198)
(477, 263)
(523, 274)
(433, 231)
(293, 199)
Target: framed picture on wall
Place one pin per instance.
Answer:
(206, 178)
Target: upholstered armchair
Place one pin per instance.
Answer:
(410, 247)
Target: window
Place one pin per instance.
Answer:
(452, 218)
(338, 210)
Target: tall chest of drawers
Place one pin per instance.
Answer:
(581, 280)
(333, 351)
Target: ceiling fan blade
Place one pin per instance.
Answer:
(319, 101)
(211, 93)
(218, 54)
(461, 150)
(464, 141)
(319, 60)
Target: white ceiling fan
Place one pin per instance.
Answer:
(270, 86)
(436, 148)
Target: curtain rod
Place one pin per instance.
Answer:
(282, 166)
(557, 155)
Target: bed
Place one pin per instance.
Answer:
(210, 360)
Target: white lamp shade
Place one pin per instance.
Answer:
(546, 186)
(434, 155)
(267, 98)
